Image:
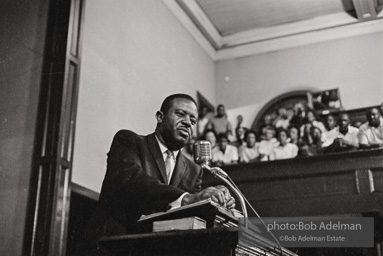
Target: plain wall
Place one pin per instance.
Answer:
(22, 30)
(354, 65)
(134, 54)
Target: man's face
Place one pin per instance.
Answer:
(221, 111)
(250, 140)
(222, 143)
(344, 122)
(177, 125)
(373, 116)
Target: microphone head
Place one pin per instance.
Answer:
(202, 152)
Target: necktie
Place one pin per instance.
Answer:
(168, 164)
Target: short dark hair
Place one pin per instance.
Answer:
(168, 101)
(207, 131)
(250, 132)
(222, 136)
(220, 105)
(280, 130)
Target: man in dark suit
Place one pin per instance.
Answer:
(147, 174)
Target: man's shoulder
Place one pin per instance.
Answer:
(353, 129)
(364, 127)
(130, 136)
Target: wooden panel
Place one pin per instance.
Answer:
(320, 185)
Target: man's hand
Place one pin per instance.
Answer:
(230, 201)
(219, 194)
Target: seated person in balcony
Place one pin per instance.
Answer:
(267, 145)
(312, 119)
(284, 117)
(223, 153)
(202, 121)
(294, 136)
(210, 136)
(299, 115)
(343, 137)
(240, 137)
(371, 133)
(330, 125)
(280, 117)
(311, 141)
(268, 121)
(285, 149)
(250, 151)
(220, 123)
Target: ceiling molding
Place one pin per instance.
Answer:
(261, 40)
(191, 27)
(320, 36)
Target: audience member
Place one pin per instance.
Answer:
(299, 115)
(371, 133)
(312, 119)
(343, 137)
(294, 135)
(250, 151)
(280, 116)
(330, 122)
(220, 123)
(267, 145)
(285, 149)
(202, 121)
(224, 153)
(330, 125)
(240, 132)
(210, 136)
(240, 137)
(188, 149)
(311, 141)
(284, 118)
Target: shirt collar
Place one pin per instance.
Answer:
(163, 148)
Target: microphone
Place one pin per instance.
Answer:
(202, 157)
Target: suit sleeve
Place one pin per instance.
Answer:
(129, 190)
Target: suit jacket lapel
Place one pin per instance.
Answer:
(154, 148)
(179, 170)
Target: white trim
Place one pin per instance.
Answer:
(322, 22)
(203, 21)
(345, 27)
(308, 38)
(191, 27)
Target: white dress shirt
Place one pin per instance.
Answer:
(177, 203)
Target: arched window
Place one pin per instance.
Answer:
(286, 100)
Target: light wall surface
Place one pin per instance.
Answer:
(354, 65)
(134, 54)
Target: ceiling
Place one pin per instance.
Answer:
(225, 26)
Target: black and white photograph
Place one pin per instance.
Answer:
(191, 127)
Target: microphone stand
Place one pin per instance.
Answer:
(219, 173)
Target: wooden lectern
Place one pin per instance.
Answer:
(219, 239)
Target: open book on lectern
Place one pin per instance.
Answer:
(211, 212)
